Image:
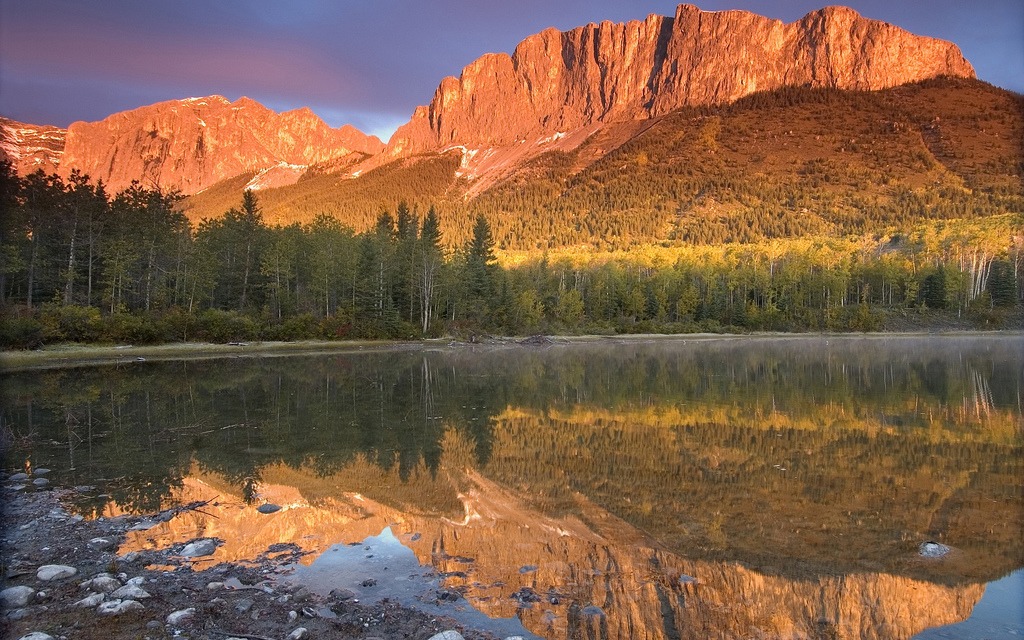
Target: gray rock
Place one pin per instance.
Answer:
(101, 544)
(18, 477)
(16, 597)
(180, 616)
(199, 548)
(102, 584)
(117, 607)
(214, 586)
(244, 605)
(91, 601)
(130, 592)
(300, 633)
(447, 635)
(130, 557)
(36, 635)
(154, 625)
(137, 580)
(932, 549)
(40, 482)
(41, 472)
(268, 508)
(49, 572)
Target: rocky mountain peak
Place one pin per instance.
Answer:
(561, 81)
(193, 143)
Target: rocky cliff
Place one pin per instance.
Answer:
(191, 144)
(559, 82)
(30, 147)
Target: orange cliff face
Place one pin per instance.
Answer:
(189, 145)
(558, 82)
(558, 575)
(30, 148)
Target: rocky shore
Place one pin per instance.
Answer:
(63, 579)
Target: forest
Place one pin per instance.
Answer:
(82, 265)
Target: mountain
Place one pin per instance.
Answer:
(557, 82)
(31, 147)
(701, 127)
(194, 143)
(775, 164)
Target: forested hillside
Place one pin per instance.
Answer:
(786, 163)
(82, 266)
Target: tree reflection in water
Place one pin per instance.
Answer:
(792, 470)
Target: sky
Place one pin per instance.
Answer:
(368, 63)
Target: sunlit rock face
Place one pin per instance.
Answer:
(589, 574)
(560, 82)
(191, 144)
(30, 148)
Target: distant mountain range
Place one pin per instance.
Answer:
(519, 135)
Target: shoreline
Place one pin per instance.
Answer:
(78, 355)
(63, 576)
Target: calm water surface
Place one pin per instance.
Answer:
(726, 488)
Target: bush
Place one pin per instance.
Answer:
(71, 323)
(133, 329)
(21, 333)
(215, 325)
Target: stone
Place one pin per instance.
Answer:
(450, 634)
(199, 548)
(102, 584)
(214, 586)
(130, 592)
(49, 572)
(36, 635)
(101, 544)
(244, 605)
(40, 472)
(40, 482)
(154, 625)
(18, 477)
(91, 601)
(16, 597)
(117, 607)
(130, 557)
(180, 616)
(300, 633)
(268, 508)
(932, 549)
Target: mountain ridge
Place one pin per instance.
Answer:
(561, 81)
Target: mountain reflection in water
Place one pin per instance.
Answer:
(733, 488)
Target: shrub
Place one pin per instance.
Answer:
(21, 333)
(71, 323)
(215, 325)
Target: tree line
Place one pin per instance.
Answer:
(82, 265)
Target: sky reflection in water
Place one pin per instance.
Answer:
(683, 487)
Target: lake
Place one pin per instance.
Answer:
(689, 487)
